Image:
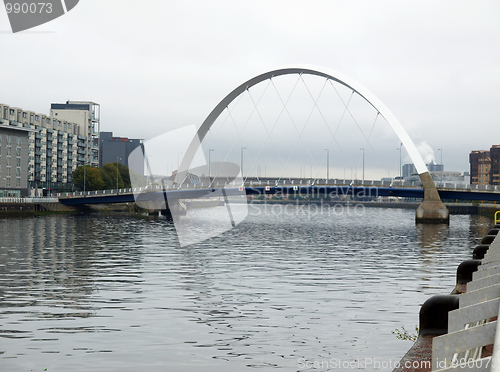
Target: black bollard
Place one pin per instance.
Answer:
(465, 270)
(493, 231)
(488, 239)
(433, 316)
(479, 252)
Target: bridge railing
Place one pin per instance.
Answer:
(29, 200)
(284, 182)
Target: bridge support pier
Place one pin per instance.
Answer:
(432, 209)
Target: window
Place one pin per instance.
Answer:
(9, 140)
(18, 151)
(8, 160)
(8, 171)
(9, 150)
(12, 112)
(31, 119)
(37, 117)
(18, 182)
(19, 142)
(18, 171)
(18, 162)
(25, 115)
(5, 113)
(7, 182)
(64, 127)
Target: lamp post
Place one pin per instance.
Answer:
(363, 149)
(483, 171)
(209, 165)
(327, 164)
(241, 167)
(84, 177)
(400, 169)
(441, 149)
(117, 173)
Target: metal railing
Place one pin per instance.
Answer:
(473, 326)
(29, 200)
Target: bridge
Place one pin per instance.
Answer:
(263, 119)
(301, 187)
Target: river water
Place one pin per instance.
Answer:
(281, 291)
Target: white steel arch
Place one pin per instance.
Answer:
(310, 70)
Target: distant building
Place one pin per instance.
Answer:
(433, 167)
(495, 165)
(408, 170)
(57, 144)
(14, 152)
(87, 116)
(113, 149)
(485, 166)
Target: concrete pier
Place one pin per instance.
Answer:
(432, 209)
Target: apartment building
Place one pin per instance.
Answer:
(480, 167)
(87, 115)
(13, 161)
(57, 143)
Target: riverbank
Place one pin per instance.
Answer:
(42, 209)
(433, 316)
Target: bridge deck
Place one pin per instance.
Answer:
(367, 190)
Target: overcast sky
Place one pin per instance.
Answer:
(154, 66)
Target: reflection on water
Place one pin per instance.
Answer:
(112, 293)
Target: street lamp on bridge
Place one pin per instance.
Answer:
(327, 164)
(209, 162)
(241, 167)
(441, 149)
(400, 169)
(117, 173)
(363, 149)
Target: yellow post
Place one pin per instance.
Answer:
(496, 217)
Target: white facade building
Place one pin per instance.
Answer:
(58, 142)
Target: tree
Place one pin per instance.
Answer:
(91, 176)
(103, 178)
(109, 173)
